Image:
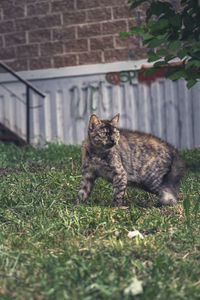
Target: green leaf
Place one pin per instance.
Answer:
(155, 43)
(169, 57)
(173, 46)
(191, 82)
(138, 29)
(158, 8)
(162, 52)
(159, 63)
(136, 3)
(177, 75)
(152, 56)
(147, 37)
(193, 63)
(159, 25)
(182, 53)
(149, 71)
(161, 37)
(175, 20)
(123, 34)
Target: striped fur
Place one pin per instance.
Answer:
(129, 158)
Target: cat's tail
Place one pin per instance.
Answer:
(171, 181)
(177, 169)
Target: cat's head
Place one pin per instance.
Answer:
(103, 134)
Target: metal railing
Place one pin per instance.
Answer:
(29, 87)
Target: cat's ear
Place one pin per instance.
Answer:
(94, 121)
(115, 120)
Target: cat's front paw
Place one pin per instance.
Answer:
(117, 203)
(77, 201)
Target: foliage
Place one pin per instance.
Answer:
(51, 249)
(172, 33)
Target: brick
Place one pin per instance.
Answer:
(79, 45)
(38, 22)
(49, 49)
(116, 55)
(121, 12)
(6, 26)
(90, 58)
(18, 65)
(13, 39)
(70, 18)
(1, 14)
(5, 3)
(1, 42)
(101, 43)
(40, 63)
(139, 53)
(130, 42)
(64, 33)
(98, 14)
(64, 61)
(86, 4)
(39, 36)
(112, 2)
(13, 11)
(38, 9)
(50, 21)
(7, 53)
(114, 27)
(61, 6)
(89, 30)
(22, 2)
(27, 51)
(132, 23)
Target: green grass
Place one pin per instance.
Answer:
(51, 249)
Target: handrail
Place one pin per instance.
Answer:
(21, 79)
(28, 87)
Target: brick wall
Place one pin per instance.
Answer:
(40, 34)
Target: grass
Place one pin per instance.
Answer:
(51, 249)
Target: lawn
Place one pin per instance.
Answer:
(51, 249)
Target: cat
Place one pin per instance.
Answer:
(129, 158)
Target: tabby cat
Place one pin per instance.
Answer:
(129, 158)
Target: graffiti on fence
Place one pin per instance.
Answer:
(87, 98)
(121, 77)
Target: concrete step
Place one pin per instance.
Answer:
(7, 136)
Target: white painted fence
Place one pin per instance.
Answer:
(164, 108)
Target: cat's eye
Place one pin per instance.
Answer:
(104, 134)
(115, 133)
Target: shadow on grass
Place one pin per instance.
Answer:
(193, 167)
(135, 197)
(192, 160)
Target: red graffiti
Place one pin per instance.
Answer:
(160, 73)
(113, 78)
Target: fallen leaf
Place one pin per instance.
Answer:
(132, 234)
(135, 287)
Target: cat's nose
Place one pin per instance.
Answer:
(112, 141)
